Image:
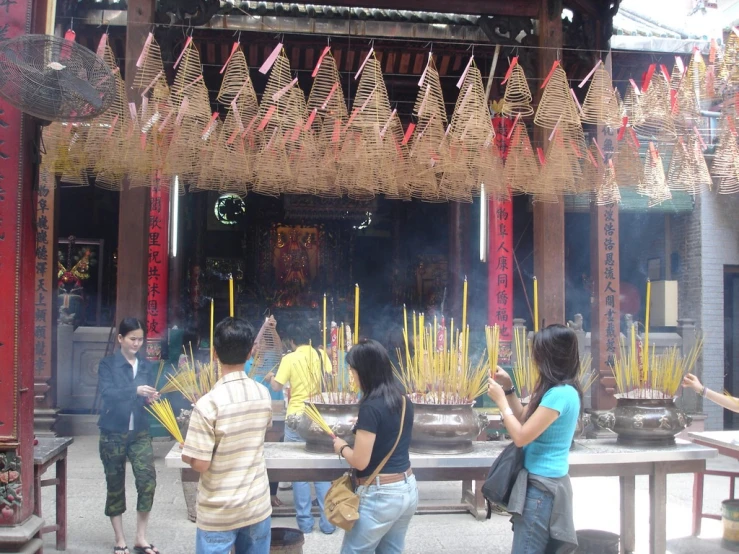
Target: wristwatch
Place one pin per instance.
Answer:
(341, 451)
(510, 391)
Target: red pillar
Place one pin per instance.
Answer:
(17, 282)
(158, 273)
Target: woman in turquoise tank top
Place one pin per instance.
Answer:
(541, 501)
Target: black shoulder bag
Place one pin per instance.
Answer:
(502, 476)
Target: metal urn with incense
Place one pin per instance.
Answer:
(333, 407)
(648, 383)
(443, 384)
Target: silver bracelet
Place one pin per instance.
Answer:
(705, 392)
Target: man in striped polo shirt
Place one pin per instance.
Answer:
(225, 444)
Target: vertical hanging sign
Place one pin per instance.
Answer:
(500, 255)
(45, 289)
(158, 274)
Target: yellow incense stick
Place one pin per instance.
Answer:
(464, 306)
(324, 322)
(536, 305)
(212, 322)
(230, 296)
(315, 416)
(646, 329)
(356, 313)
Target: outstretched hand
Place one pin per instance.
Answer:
(690, 381)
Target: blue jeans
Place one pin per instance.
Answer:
(253, 539)
(531, 530)
(302, 497)
(385, 513)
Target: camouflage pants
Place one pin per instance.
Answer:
(115, 448)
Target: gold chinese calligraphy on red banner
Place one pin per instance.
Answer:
(158, 275)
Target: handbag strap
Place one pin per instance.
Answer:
(397, 440)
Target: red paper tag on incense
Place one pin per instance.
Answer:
(515, 121)
(622, 130)
(575, 148)
(112, 125)
(465, 72)
(267, 117)
(250, 125)
(311, 119)
(591, 158)
(210, 124)
(320, 59)
(296, 133)
(334, 88)
(666, 73)
(673, 101)
(540, 153)
(577, 102)
(551, 72)
(712, 52)
(600, 150)
(634, 137)
(280, 93)
(648, 77)
(142, 141)
(680, 65)
(636, 87)
(361, 67)
(514, 61)
(336, 135)
(233, 51)
(589, 75)
(700, 138)
(354, 113)
(408, 133)
(101, 45)
(387, 124)
(653, 151)
(144, 50)
(271, 59)
(187, 43)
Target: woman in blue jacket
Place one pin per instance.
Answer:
(125, 382)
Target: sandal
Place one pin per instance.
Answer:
(120, 550)
(150, 549)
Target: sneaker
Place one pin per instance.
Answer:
(285, 486)
(329, 532)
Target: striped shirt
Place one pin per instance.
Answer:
(227, 428)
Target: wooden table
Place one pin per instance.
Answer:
(589, 458)
(47, 452)
(727, 444)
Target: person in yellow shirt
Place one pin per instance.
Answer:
(302, 368)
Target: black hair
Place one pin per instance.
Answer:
(555, 353)
(131, 324)
(375, 373)
(233, 339)
(298, 332)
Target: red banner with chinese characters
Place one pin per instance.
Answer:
(500, 254)
(158, 276)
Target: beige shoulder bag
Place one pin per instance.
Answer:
(341, 504)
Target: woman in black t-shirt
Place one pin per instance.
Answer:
(390, 500)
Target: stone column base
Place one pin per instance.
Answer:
(44, 420)
(20, 539)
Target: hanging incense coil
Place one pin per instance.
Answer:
(149, 66)
(601, 107)
(104, 142)
(632, 107)
(687, 108)
(654, 186)
(557, 107)
(326, 94)
(470, 133)
(273, 172)
(228, 168)
(607, 191)
(370, 113)
(675, 77)
(561, 171)
(189, 75)
(235, 78)
(147, 153)
(725, 166)
(492, 174)
(521, 168)
(657, 110)
(688, 171)
(728, 68)
(300, 146)
(428, 152)
(517, 98)
(628, 163)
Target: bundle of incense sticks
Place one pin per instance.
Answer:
(436, 375)
(162, 411)
(315, 416)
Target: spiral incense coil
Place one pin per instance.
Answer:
(628, 163)
(728, 68)
(632, 107)
(688, 171)
(687, 110)
(521, 168)
(725, 166)
(106, 138)
(675, 77)
(607, 191)
(557, 107)
(656, 107)
(228, 169)
(517, 97)
(492, 174)
(146, 149)
(561, 171)
(654, 186)
(235, 79)
(326, 94)
(151, 67)
(601, 107)
(189, 76)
